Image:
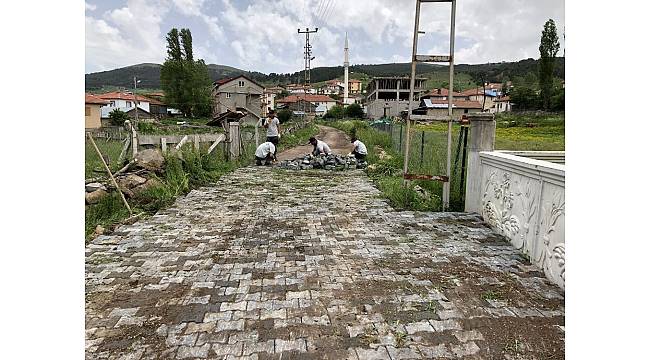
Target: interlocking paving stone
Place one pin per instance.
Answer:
(270, 264)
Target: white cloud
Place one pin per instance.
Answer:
(261, 34)
(90, 7)
(126, 35)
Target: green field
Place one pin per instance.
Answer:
(428, 154)
(111, 150)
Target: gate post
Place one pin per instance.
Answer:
(234, 144)
(482, 135)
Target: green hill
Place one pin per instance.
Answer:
(466, 74)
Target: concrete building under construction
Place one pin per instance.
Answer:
(389, 96)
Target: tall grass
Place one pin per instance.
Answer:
(110, 149)
(189, 171)
(386, 173)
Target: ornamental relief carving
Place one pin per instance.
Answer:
(510, 204)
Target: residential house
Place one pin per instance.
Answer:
(268, 98)
(440, 108)
(440, 94)
(310, 103)
(125, 101)
(143, 114)
(93, 111)
(502, 104)
(332, 87)
(354, 86)
(238, 93)
(300, 89)
(477, 94)
(389, 96)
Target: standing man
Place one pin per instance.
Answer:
(320, 147)
(359, 149)
(264, 153)
(272, 125)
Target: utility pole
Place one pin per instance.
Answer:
(135, 98)
(308, 59)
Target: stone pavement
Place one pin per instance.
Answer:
(274, 264)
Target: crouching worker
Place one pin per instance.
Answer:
(320, 147)
(358, 149)
(264, 153)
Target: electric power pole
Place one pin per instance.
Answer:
(308, 59)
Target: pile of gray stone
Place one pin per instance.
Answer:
(326, 162)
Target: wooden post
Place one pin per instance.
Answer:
(125, 147)
(134, 140)
(196, 143)
(214, 145)
(110, 174)
(235, 147)
(181, 143)
(163, 144)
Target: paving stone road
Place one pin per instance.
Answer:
(273, 264)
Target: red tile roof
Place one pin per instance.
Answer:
(92, 99)
(354, 80)
(116, 95)
(474, 91)
(440, 92)
(461, 104)
(308, 97)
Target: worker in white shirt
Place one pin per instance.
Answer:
(320, 147)
(359, 149)
(272, 125)
(264, 153)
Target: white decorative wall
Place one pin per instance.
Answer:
(523, 199)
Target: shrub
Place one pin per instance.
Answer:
(285, 115)
(336, 112)
(118, 117)
(354, 111)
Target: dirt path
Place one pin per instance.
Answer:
(338, 141)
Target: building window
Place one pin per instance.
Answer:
(87, 110)
(241, 83)
(227, 95)
(128, 104)
(112, 104)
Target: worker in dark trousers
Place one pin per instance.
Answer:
(272, 125)
(359, 149)
(264, 153)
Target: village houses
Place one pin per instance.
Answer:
(238, 93)
(309, 103)
(93, 111)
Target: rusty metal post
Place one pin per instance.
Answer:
(412, 87)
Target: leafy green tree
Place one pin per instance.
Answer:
(354, 111)
(186, 82)
(282, 94)
(118, 117)
(285, 115)
(336, 112)
(548, 48)
(524, 98)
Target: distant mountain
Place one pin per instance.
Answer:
(149, 73)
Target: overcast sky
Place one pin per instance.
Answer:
(261, 35)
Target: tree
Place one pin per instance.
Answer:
(548, 48)
(282, 94)
(354, 111)
(186, 82)
(118, 117)
(524, 98)
(336, 112)
(285, 115)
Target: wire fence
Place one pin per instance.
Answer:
(428, 155)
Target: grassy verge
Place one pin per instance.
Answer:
(180, 176)
(111, 150)
(385, 169)
(196, 169)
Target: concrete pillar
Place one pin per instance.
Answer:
(482, 133)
